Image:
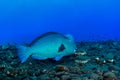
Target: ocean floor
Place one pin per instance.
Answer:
(92, 61)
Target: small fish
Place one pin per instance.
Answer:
(49, 45)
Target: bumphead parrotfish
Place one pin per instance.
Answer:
(49, 45)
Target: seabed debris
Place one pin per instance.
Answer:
(92, 61)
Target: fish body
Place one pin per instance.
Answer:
(49, 45)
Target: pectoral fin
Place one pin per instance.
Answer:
(57, 58)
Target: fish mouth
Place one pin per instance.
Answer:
(75, 50)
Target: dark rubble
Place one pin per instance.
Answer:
(92, 61)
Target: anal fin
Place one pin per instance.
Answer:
(57, 58)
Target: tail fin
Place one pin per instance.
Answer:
(23, 53)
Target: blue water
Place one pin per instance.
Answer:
(23, 20)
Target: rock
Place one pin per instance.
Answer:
(2, 67)
(56, 78)
(44, 77)
(82, 59)
(109, 76)
(38, 72)
(80, 53)
(95, 76)
(109, 57)
(59, 74)
(65, 77)
(6, 46)
(61, 68)
(114, 68)
(101, 61)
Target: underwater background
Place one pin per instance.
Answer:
(87, 20)
(94, 24)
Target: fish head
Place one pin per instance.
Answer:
(70, 44)
(67, 47)
(70, 48)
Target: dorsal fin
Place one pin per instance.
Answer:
(61, 48)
